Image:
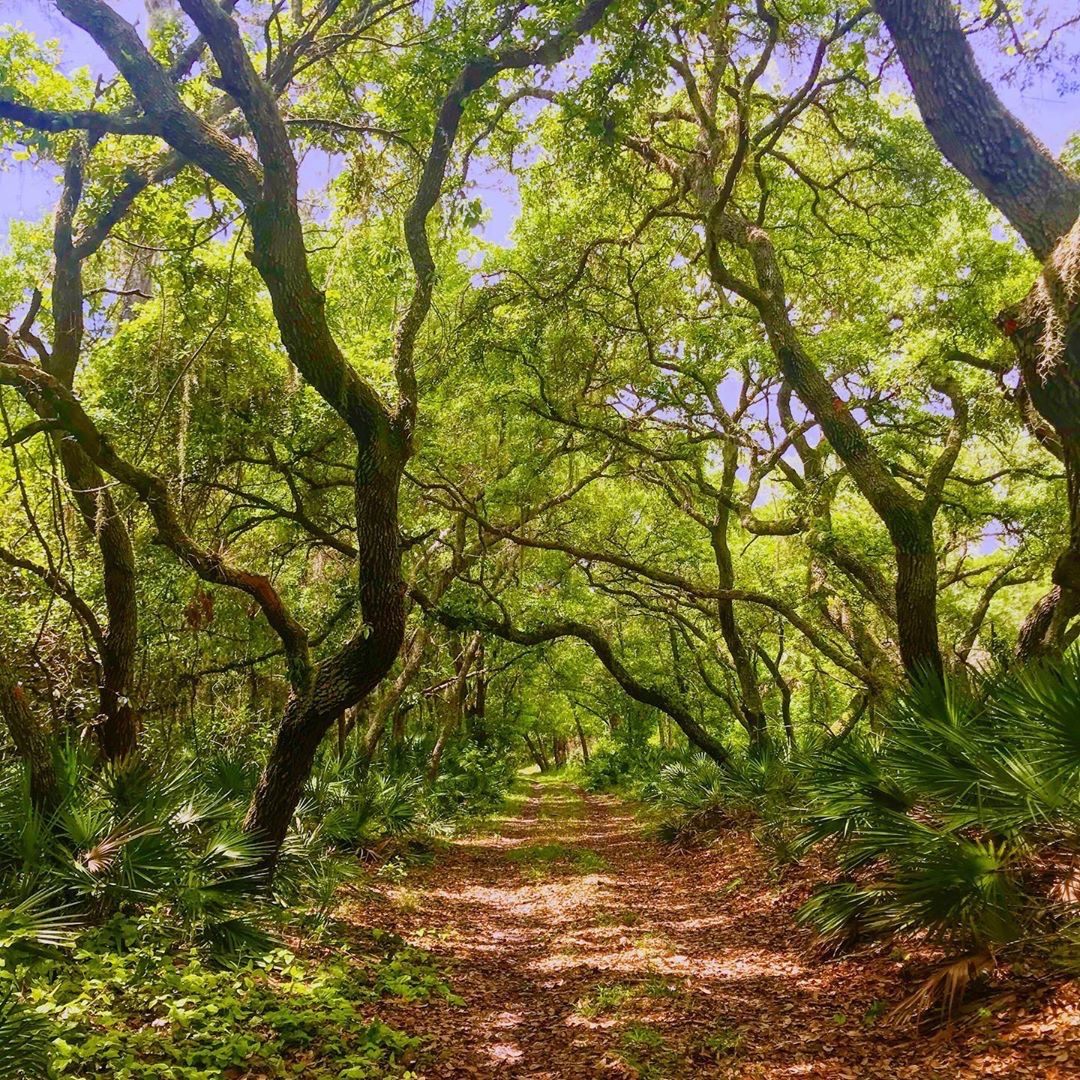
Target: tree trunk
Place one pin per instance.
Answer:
(916, 596)
(910, 528)
(346, 722)
(537, 750)
(387, 705)
(117, 724)
(909, 520)
(973, 129)
(398, 727)
(455, 703)
(1042, 633)
(559, 750)
(783, 686)
(1041, 199)
(31, 741)
(346, 678)
(584, 742)
(750, 704)
(476, 708)
(435, 760)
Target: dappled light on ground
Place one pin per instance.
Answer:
(582, 948)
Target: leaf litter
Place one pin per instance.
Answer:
(583, 948)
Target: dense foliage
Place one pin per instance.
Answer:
(741, 473)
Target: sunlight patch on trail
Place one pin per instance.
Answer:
(664, 965)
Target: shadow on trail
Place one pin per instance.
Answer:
(585, 949)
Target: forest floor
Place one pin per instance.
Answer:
(584, 949)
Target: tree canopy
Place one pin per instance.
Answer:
(760, 418)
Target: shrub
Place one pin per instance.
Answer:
(696, 795)
(126, 837)
(473, 781)
(620, 765)
(960, 822)
(130, 1002)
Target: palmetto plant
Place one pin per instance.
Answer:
(366, 812)
(25, 1037)
(31, 929)
(35, 926)
(689, 785)
(125, 837)
(960, 820)
(696, 794)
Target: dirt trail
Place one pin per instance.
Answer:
(584, 949)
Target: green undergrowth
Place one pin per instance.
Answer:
(643, 1049)
(129, 1002)
(610, 997)
(512, 806)
(561, 856)
(952, 822)
(141, 937)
